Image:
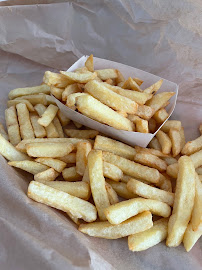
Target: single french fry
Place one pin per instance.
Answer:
(192, 146)
(85, 177)
(105, 74)
(133, 169)
(115, 147)
(19, 92)
(160, 116)
(191, 237)
(121, 189)
(83, 134)
(154, 87)
(72, 217)
(89, 63)
(158, 101)
(47, 175)
(70, 158)
(184, 201)
(3, 132)
(77, 189)
(94, 109)
(122, 211)
(131, 84)
(152, 125)
(50, 100)
(83, 149)
(106, 230)
(39, 131)
(171, 124)
(148, 192)
(150, 151)
(48, 116)
(71, 100)
(29, 166)
(112, 172)
(62, 201)
(70, 174)
(14, 102)
(140, 124)
(164, 141)
(182, 135)
(138, 81)
(34, 99)
(56, 79)
(112, 195)
(149, 238)
(79, 77)
(151, 161)
(63, 119)
(58, 126)
(70, 89)
(12, 125)
(172, 170)
(56, 164)
(169, 160)
(196, 217)
(97, 182)
(144, 112)
(56, 92)
(155, 144)
(175, 138)
(81, 70)
(120, 78)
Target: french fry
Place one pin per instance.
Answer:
(165, 183)
(39, 131)
(140, 124)
(79, 77)
(97, 182)
(3, 132)
(138, 81)
(46, 149)
(144, 112)
(158, 101)
(191, 237)
(148, 192)
(14, 102)
(58, 126)
(149, 238)
(48, 175)
(56, 164)
(81, 70)
(72, 217)
(124, 114)
(62, 201)
(105, 74)
(50, 100)
(70, 89)
(29, 166)
(78, 125)
(112, 172)
(183, 141)
(110, 98)
(12, 125)
(85, 177)
(169, 160)
(131, 84)
(175, 138)
(150, 151)
(115, 147)
(160, 116)
(83, 149)
(56, 79)
(184, 201)
(133, 169)
(122, 211)
(77, 189)
(154, 87)
(34, 99)
(48, 116)
(110, 81)
(155, 144)
(171, 124)
(71, 100)
(83, 134)
(120, 78)
(70, 158)
(63, 119)
(106, 230)
(89, 63)
(121, 189)
(56, 92)
(19, 92)
(94, 109)
(26, 129)
(164, 141)
(192, 146)
(70, 174)
(112, 195)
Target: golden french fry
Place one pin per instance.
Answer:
(112, 172)
(56, 79)
(97, 182)
(140, 124)
(70, 174)
(183, 203)
(148, 192)
(192, 146)
(151, 161)
(46, 149)
(62, 201)
(144, 112)
(160, 116)
(175, 138)
(183, 141)
(115, 147)
(112, 195)
(149, 238)
(12, 125)
(89, 63)
(3, 132)
(79, 77)
(83, 149)
(58, 126)
(155, 144)
(133, 169)
(94, 109)
(83, 134)
(70, 89)
(29, 166)
(14, 102)
(56, 92)
(108, 97)
(70, 158)
(152, 125)
(81, 70)
(19, 92)
(110, 81)
(158, 101)
(164, 141)
(154, 87)
(174, 124)
(138, 81)
(77, 189)
(131, 84)
(34, 99)
(26, 129)
(122, 211)
(63, 119)
(121, 189)
(106, 230)
(150, 151)
(39, 131)
(56, 164)
(172, 170)
(85, 177)
(71, 100)
(165, 183)
(48, 116)
(191, 237)
(196, 217)
(48, 175)
(120, 78)
(105, 74)
(169, 160)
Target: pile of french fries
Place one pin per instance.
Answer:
(109, 189)
(105, 96)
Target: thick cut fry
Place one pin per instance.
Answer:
(150, 151)
(155, 144)
(112, 195)
(154, 87)
(97, 182)
(56, 92)
(70, 158)
(149, 238)
(77, 189)
(56, 79)
(35, 99)
(94, 109)
(182, 135)
(152, 125)
(79, 77)
(70, 89)
(121, 189)
(85, 177)
(112, 172)
(171, 124)
(122, 211)
(115, 147)
(89, 63)
(106, 230)
(3, 132)
(191, 237)
(133, 169)
(11, 103)
(62, 201)
(158, 101)
(83, 134)
(64, 120)
(105, 74)
(183, 203)
(175, 138)
(83, 149)
(50, 100)
(56, 164)
(19, 92)
(58, 126)
(144, 112)
(26, 129)
(108, 97)
(39, 131)
(164, 141)
(52, 150)
(70, 174)
(172, 170)
(196, 218)
(192, 146)
(71, 100)
(48, 175)
(148, 192)
(169, 160)
(160, 116)
(48, 116)
(131, 84)
(151, 161)
(140, 124)
(29, 166)
(12, 125)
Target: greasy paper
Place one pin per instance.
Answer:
(159, 37)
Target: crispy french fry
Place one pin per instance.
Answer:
(77, 189)
(70, 174)
(56, 79)
(3, 132)
(63, 119)
(122, 211)
(148, 192)
(131, 168)
(144, 112)
(19, 92)
(70, 158)
(58, 126)
(56, 164)
(191, 237)
(112, 195)
(70, 89)
(169, 160)
(56, 92)
(79, 77)
(184, 201)
(192, 146)
(106, 230)
(138, 81)
(48, 116)
(29, 166)
(121, 189)
(14, 102)
(175, 138)
(12, 125)
(151, 161)
(182, 135)
(34, 99)
(152, 125)
(131, 84)
(196, 218)
(94, 109)
(89, 63)
(115, 147)
(149, 238)
(62, 201)
(150, 151)
(158, 101)
(39, 131)
(155, 144)
(164, 141)
(154, 87)
(172, 170)
(112, 172)
(140, 124)
(83, 134)
(47, 175)
(97, 182)
(160, 116)
(105, 74)
(71, 100)
(83, 149)
(171, 124)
